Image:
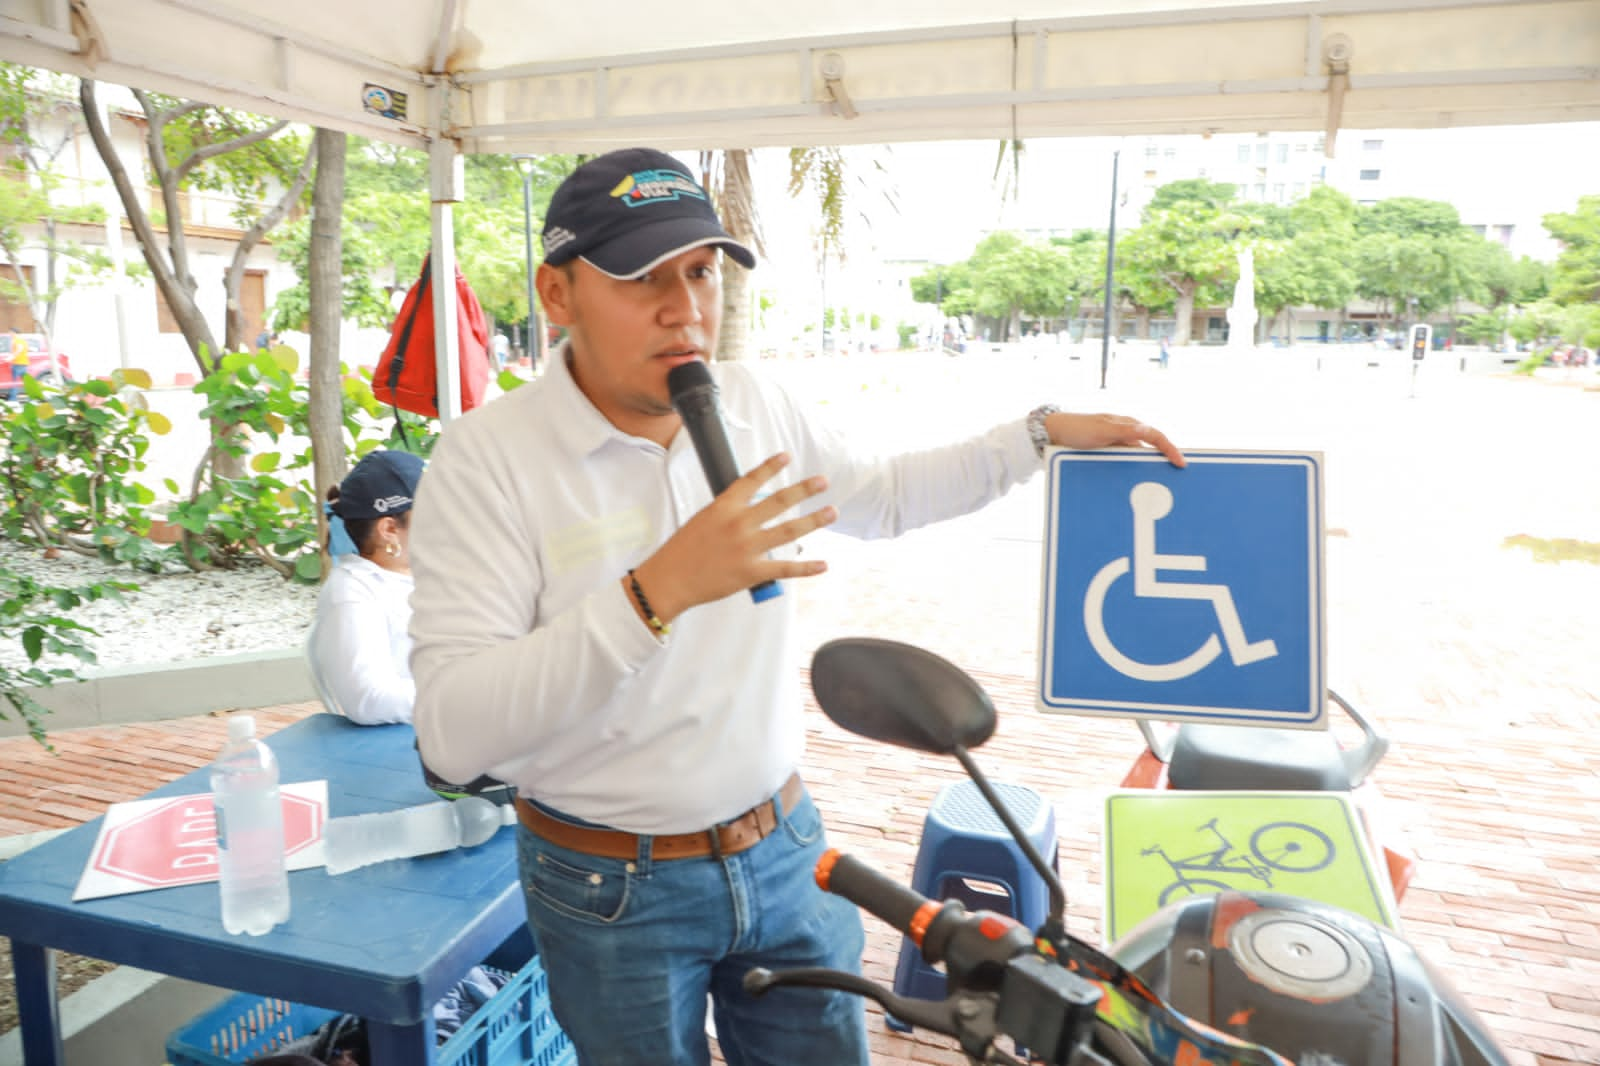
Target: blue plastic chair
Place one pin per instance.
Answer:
(967, 854)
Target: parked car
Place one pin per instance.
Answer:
(41, 363)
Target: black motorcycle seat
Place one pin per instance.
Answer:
(1249, 757)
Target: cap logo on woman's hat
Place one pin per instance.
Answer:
(384, 482)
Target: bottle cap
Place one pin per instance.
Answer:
(241, 726)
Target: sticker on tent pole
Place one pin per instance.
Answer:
(379, 100)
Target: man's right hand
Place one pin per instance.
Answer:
(725, 548)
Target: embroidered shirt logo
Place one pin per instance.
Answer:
(654, 187)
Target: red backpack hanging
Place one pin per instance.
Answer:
(407, 376)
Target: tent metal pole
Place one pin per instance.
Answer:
(447, 178)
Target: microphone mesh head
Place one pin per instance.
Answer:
(687, 376)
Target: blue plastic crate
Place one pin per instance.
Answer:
(515, 1028)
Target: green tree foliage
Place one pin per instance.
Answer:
(950, 288)
(1575, 277)
(820, 173)
(1085, 254)
(1008, 277)
(1409, 216)
(1413, 252)
(1012, 277)
(1184, 250)
(1530, 280)
(1393, 269)
(1493, 271)
(388, 228)
(1216, 195)
(38, 121)
(366, 300)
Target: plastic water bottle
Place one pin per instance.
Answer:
(359, 840)
(244, 792)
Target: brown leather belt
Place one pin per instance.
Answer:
(729, 838)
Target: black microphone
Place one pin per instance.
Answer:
(695, 398)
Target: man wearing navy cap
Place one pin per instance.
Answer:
(582, 630)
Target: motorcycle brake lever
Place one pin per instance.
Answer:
(938, 1016)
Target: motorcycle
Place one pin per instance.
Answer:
(1246, 758)
(1253, 979)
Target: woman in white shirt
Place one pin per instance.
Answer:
(360, 646)
(360, 649)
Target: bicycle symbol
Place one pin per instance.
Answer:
(1288, 847)
(1151, 501)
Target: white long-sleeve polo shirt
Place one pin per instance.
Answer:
(530, 661)
(362, 644)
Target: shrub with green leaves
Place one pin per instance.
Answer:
(35, 615)
(68, 471)
(270, 512)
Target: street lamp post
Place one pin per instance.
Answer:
(1111, 258)
(535, 332)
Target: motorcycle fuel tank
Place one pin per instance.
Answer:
(1317, 984)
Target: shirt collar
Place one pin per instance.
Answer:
(579, 422)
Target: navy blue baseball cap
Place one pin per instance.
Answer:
(628, 210)
(383, 483)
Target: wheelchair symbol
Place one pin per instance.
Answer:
(1151, 502)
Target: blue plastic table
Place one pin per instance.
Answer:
(384, 942)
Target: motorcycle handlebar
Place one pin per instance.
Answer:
(904, 908)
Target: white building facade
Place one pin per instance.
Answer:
(121, 320)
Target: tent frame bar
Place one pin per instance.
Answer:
(1311, 84)
(983, 31)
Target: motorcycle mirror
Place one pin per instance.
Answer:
(899, 694)
(892, 692)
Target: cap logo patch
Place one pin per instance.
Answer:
(383, 503)
(654, 187)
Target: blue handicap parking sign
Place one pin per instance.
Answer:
(1189, 594)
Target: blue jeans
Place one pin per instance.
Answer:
(633, 948)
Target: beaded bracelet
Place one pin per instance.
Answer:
(660, 628)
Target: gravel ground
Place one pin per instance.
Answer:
(175, 615)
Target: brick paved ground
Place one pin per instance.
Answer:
(93, 768)
(1479, 663)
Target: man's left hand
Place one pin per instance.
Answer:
(1069, 430)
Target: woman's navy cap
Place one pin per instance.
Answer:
(628, 210)
(382, 483)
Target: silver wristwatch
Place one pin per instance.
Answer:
(1037, 432)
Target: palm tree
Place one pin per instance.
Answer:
(726, 175)
(819, 170)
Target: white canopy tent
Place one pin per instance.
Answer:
(457, 76)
